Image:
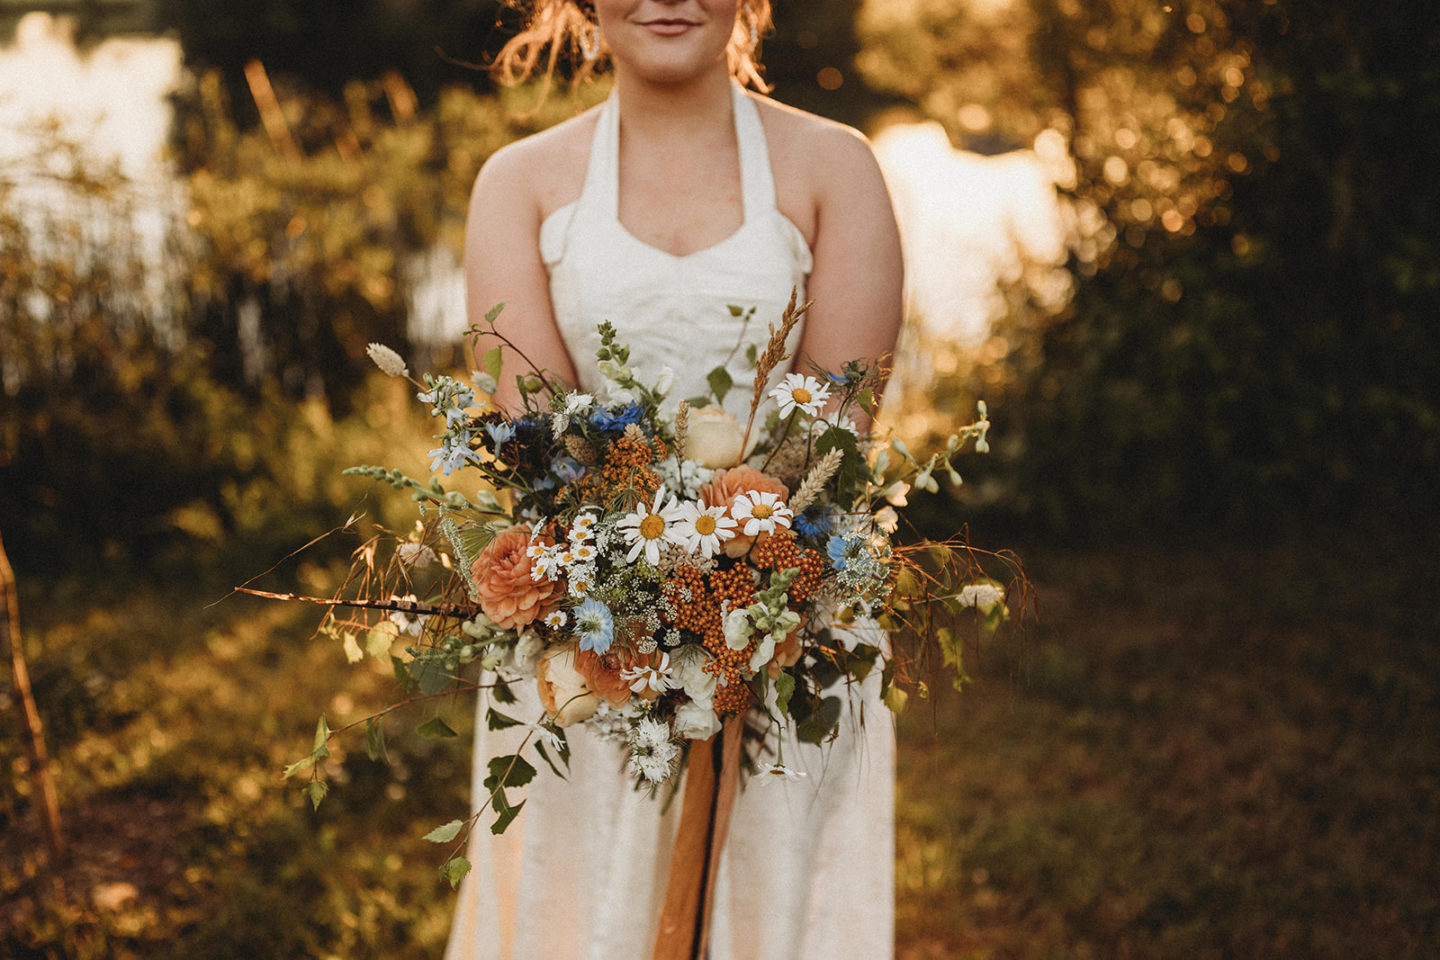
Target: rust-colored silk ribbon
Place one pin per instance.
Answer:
(712, 776)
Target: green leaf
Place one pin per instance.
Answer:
(377, 642)
(316, 791)
(297, 766)
(697, 403)
(720, 382)
(455, 870)
(895, 698)
(819, 725)
(511, 770)
(430, 675)
(435, 729)
(735, 311)
(494, 312)
(446, 832)
(491, 362)
(397, 666)
(847, 478)
(784, 690)
(507, 814)
(353, 653)
(495, 720)
(322, 737)
(375, 740)
(545, 755)
(501, 693)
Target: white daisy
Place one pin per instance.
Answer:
(807, 393)
(760, 512)
(773, 772)
(649, 527)
(581, 583)
(701, 529)
(582, 553)
(556, 619)
(655, 677)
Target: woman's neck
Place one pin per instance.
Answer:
(669, 109)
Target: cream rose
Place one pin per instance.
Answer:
(564, 693)
(696, 720)
(713, 437)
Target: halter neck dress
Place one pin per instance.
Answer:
(807, 872)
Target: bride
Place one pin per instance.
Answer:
(680, 196)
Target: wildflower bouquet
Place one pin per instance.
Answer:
(655, 567)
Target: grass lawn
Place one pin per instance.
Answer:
(1198, 752)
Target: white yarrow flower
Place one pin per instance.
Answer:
(804, 392)
(387, 360)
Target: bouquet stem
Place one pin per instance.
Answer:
(712, 776)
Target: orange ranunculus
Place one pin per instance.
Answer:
(602, 671)
(502, 579)
(726, 485)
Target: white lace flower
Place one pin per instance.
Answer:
(647, 528)
(804, 392)
(760, 512)
(701, 529)
(982, 595)
(387, 360)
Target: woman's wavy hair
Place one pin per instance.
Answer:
(553, 30)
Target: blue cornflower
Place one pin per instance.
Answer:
(836, 550)
(595, 626)
(603, 419)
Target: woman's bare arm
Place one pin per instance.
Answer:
(502, 264)
(857, 282)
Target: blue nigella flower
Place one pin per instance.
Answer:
(813, 522)
(595, 625)
(835, 548)
(615, 419)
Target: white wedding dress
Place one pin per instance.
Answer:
(807, 872)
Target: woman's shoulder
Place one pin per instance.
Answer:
(802, 138)
(545, 168)
(817, 162)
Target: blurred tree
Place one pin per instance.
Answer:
(1252, 338)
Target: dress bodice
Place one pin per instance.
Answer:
(673, 310)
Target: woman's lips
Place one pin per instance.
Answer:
(668, 28)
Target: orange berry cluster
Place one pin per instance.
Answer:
(627, 472)
(784, 553)
(700, 614)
